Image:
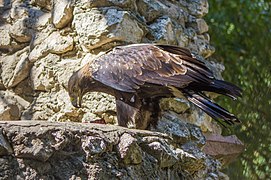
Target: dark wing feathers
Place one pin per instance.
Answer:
(132, 66)
(128, 68)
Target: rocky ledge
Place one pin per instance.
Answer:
(53, 150)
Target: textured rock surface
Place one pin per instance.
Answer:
(51, 150)
(43, 42)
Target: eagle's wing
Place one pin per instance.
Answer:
(128, 68)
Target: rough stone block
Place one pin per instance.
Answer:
(128, 149)
(104, 25)
(15, 68)
(62, 13)
(54, 43)
(11, 106)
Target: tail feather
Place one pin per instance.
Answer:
(218, 86)
(212, 109)
(227, 88)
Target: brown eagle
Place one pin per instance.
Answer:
(139, 75)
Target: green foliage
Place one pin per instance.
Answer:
(241, 32)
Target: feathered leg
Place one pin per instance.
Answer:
(138, 116)
(126, 113)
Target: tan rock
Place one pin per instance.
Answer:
(87, 4)
(225, 148)
(198, 24)
(11, 106)
(5, 39)
(2, 87)
(42, 73)
(205, 49)
(202, 26)
(54, 43)
(62, 13)
(100, 26)
(178, 106)
(15, 68)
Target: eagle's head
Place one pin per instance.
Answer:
(79, 84)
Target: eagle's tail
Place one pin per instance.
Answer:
(211, 108)
(218, 86)
(225, 88)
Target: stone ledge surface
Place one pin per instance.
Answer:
(53, 150)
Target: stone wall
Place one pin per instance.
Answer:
(42, 42)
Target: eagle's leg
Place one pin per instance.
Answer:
(150, 111)
(138, 117)
(138, 113)
(126, 113)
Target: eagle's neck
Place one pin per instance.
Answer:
(91, 85)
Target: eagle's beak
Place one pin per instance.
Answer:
(80, 100)
(76, 101)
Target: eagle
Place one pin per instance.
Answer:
(139, 75)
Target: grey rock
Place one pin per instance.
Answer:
(150, 9)
(5, 148)
(199, 8)
(160, 150)
(87, 150)
(18, 11)
(179, 130)
(34, 149)
(93, 146)
(4, 4)
(20, 32)
(39, 19)
(162, 31)
(128, 149)
(43, 4)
